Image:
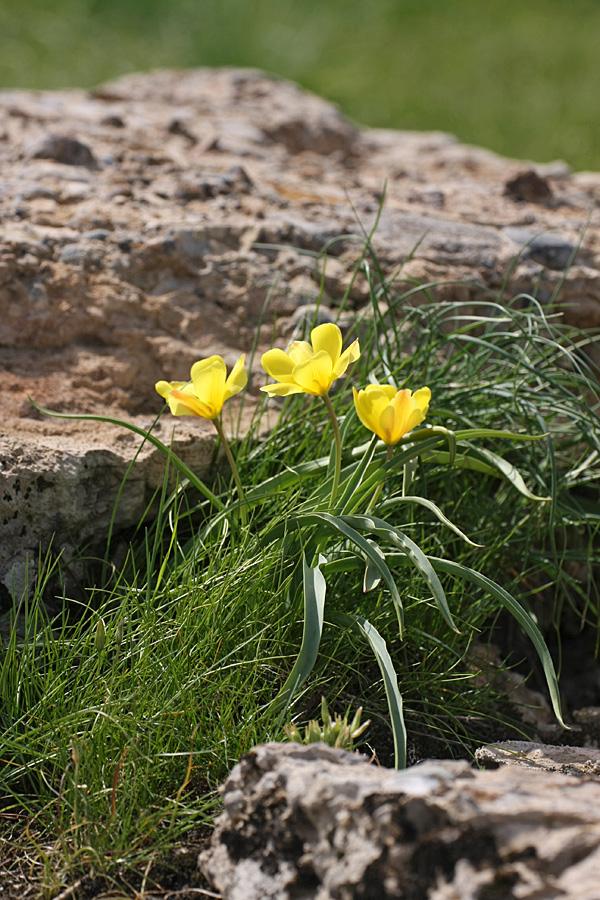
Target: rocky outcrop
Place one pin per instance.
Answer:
(582, 761)
(314, 823)
(143, 226)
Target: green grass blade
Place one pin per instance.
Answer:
(314, 604)
(349, 487)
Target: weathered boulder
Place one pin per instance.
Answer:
(580, 761)
(143, 225)
(314, 823)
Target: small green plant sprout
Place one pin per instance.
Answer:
(336, 732)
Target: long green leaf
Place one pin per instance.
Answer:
(148, 436)
(338, 523)
(373, 525)
(314, 605)
(507, 470)
(476, 433)
(372, 576)
(390, 680)
(402, 455)
(520, 614)
(428, 504)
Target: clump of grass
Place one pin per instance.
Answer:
(115, 735)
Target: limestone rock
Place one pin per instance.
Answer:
(314, 823)
(581, 761)
(142, 226)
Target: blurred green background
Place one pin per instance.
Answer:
(518, 76)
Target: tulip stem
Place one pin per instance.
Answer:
(375, 497)
(338, 447)
(234, 470)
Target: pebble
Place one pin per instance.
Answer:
(66, 150)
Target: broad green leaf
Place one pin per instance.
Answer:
(373, 525)
(314, 605)
(372, 575)
(422, 434)
(390, 680)
(338, 523)
(520, 614)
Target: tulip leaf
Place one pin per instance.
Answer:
(390, 680)
(372, 575)
(413, 552)
(428, 504)
(461, 461)
(148, 436)
(507, 470)
(398, 460)
(314, 604)
(521, 615)
(470, 434)
(342, 526)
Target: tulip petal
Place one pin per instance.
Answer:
(315, 375)
(216, 362)
(423, 398)
(391, 414)
(208, 376)
(348, 356)
(402, 406)
(370, 405)
(185, 404)
(299, 352)
(388, 425)
(165, 387)
(282, 390)
(237, 380)
(278, 365)
(414, 418)
(327, 338)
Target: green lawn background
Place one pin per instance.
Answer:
(518, 76)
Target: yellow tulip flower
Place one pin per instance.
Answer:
(208, 389)
(309, 368)
(389, 413)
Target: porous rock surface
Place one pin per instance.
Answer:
(144, 224)
(580, 761)
(314, 823)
